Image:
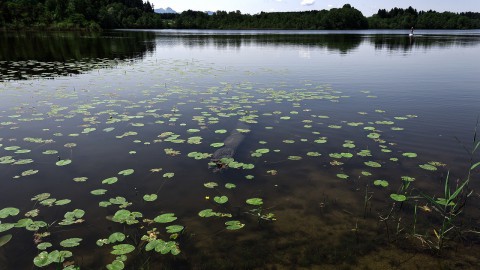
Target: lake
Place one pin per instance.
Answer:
(196, 149)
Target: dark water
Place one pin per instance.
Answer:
(305, 97)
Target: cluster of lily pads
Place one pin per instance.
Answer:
(188, 124)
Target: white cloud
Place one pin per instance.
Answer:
(307, 2)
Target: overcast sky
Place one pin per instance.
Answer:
(367, 7)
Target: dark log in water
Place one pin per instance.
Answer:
(231, 143)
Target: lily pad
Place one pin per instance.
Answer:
(220, 199)
(98, 191)
(428, 167)
(126, 172)
(71, 242)
(373, 164)
(255, 201)
(174, 228)
(381, 183)
(63, 162)
(109, 181)
(398, 197)
(409, 155)
(150, 197)
(9, 211)
(234, 225)
(122, 249)
(165, 218)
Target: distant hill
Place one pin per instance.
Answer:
(168, 10)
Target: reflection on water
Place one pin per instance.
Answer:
(25, 55)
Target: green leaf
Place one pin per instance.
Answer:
(475, 166)
(44, 245)
(165, 218)
(5, 239)
(342, 176)
(98, 192)
(382, 183)
(217, 145)
(398, 197)
(116, 265)
(168, 175)
(9, 211)
(6, 226)
(428, 167)
(220, 199)
(63, 162)
(122, 249)
(409, 155)
(207, 213)
(255, 201)
(230, 185)
(126, 172)
(71, 242)
(373, 164)
(234, 225)
(150, 197)
(62, 202)
(42, 259)
(116, 237)
(109, 181)
(174, 228)
(210, 185)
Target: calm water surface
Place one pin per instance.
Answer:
(322, 115)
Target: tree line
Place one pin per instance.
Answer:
(78, 14)
(398, 18)
(108, 14)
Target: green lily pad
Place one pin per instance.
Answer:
(71, 242)
(109, 181)
(165, 218)
(9, 211)
(207, 213)
(210, 185)
(373, 164)
(428, 167)
(217, 145)
(381, 183)
(230, 185)
(115, 265)
(62, 202)
(398, 197)
(174, 228)
(150, 197)
(122, 249)
(44, 245)
(342, 176)
(255, 201)
(98, 192)
(63, 162)
(126, 172)
(6, 226)
(234, 225)
(220, 199)
(409, 155)
(116, 237)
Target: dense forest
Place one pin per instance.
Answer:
(346, 17)
(78, 14)
(108, 14)
(398, 18)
